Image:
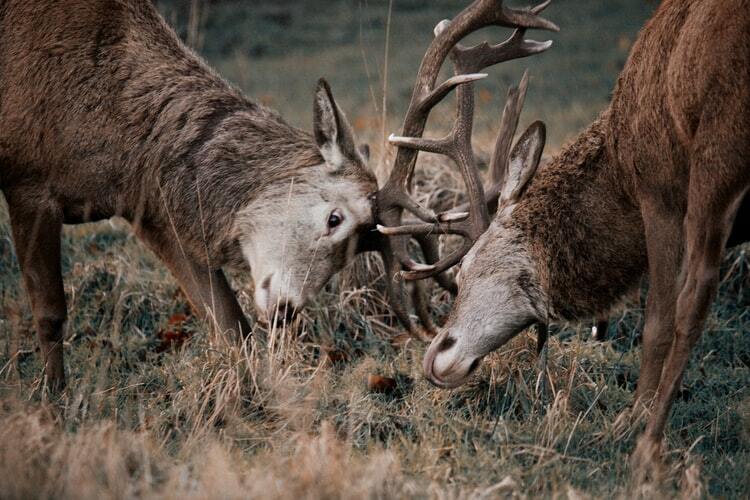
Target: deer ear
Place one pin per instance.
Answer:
(524, 160)
(333, 134)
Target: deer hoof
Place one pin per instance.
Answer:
(646, 462)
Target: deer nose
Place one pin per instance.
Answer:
(283, 311)
(444, 366)
(273, 303)
(439, 344)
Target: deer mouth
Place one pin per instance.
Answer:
(451, 376)
(453, 382)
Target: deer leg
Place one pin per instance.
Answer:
(664, 242)
(36, 237)
(707, 227)
(208, 291)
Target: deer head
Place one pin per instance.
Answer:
(471, 220)
(337, 206)
(498, 290)
(305, 229)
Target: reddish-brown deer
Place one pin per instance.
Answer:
(104, 112)
(654, 184)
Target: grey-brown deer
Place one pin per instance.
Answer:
(654, 184)
(104, 112)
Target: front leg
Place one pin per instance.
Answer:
(207, 289)
(664, 241)
(709, 220)
(36, 237)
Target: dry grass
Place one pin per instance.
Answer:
(290, 415)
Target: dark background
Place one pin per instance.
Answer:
(276, 51)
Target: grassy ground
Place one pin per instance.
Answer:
(158, 406)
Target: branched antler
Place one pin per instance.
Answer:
(472, 220)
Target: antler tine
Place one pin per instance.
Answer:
(457, 146)
(501, 154)
(484, 55)
(426, 229)
(437, 95)
(431, 251)
(508, 127)
(439, 267)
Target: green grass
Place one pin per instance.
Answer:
(210, 418)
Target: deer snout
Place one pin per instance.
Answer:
(445, 365)
(273, 303)
(282, 311)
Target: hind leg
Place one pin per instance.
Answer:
(36, 237)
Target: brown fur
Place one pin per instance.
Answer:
(672, 174)
(104, 112)
(654, 184)
(585, 266)
(593, 248)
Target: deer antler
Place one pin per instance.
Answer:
(394, 197)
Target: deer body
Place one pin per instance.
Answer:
(104, 112)
(653, 185)
(592, 244)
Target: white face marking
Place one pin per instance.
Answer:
(287, 240)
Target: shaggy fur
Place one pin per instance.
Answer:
(104, 112)
(654, 184)
(591, 249)
(582, 265)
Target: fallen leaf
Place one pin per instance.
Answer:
(174, 335)
(378, 383)
(177, 319)
(335, 356)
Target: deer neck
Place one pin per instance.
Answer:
(583, 228)
(252, 152)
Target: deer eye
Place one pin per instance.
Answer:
(335, 219)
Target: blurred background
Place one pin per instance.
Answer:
(276, 50)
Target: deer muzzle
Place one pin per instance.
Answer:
(444, 364)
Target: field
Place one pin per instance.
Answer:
(158, 406)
